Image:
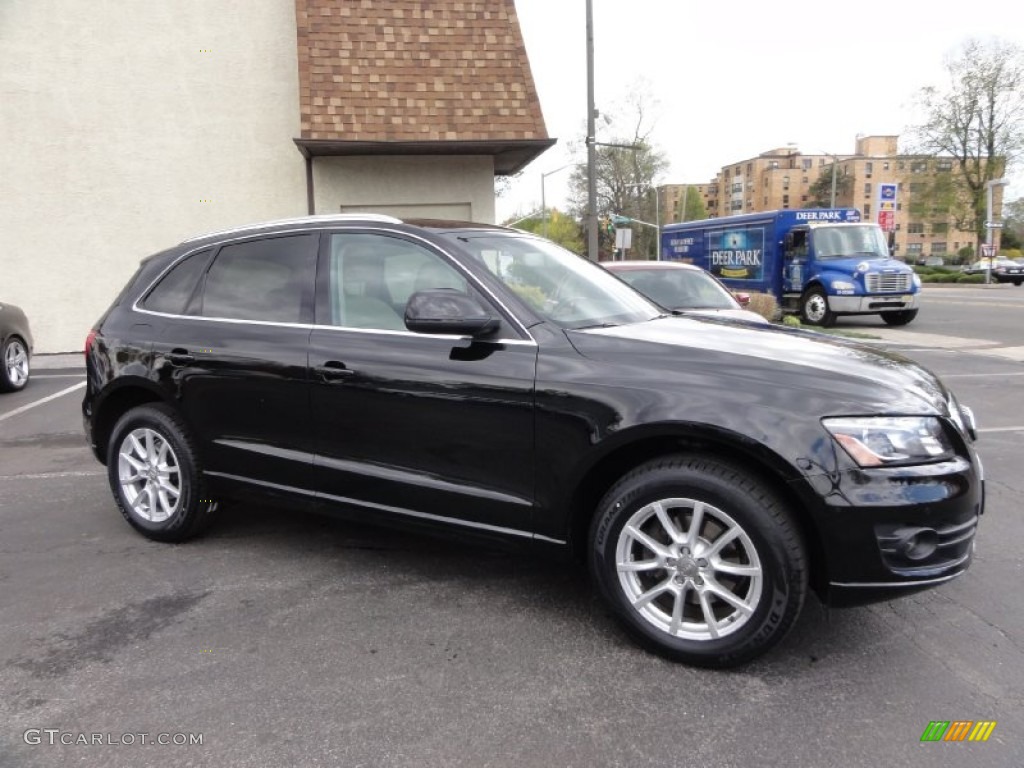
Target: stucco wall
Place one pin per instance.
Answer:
(126, 126)
(429, 187)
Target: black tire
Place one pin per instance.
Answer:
(139, 496)
(768, 545)
(815, 310)
(15, 365)
(902, 317)
(1016, 282)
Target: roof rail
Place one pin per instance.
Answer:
(326, 218)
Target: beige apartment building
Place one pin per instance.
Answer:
(784, 177)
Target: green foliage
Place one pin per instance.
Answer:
(819, 194)
(691, 206)
(791, 320)
(560, 228)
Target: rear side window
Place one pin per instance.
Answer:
(173, 291)
(269, 280)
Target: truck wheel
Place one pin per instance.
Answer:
(698, 560)
(902, 317)
(814, 309)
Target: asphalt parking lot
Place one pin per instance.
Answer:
(285, 639)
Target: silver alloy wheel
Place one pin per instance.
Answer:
(816, 307)
(149, 474)
(689, 569)
(16, 363)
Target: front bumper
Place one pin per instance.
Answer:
(881, 302)
(890, 532)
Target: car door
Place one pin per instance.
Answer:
(434, 427)
(235, 359)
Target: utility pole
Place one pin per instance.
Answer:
(990, 227)
(592, 247)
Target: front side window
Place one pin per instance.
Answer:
(848, 241)
(267, 280)
(680, 288)
(558, 285)
(371, 277)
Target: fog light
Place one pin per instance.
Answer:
(917, 543)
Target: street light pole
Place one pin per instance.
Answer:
(543, 201)
(591, 139)
(990, 225)
(657, 218)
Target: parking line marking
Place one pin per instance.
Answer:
(52, 475)
(1003, 429)
(42, 401)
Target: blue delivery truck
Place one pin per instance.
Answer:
(820, 262)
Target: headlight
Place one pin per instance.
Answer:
(876, 441)
(863, 267)
(917, 280)
(842, 285)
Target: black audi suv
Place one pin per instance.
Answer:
(444, 375)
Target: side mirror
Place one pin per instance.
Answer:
(448, 311)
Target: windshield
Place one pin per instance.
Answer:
(680, 288)
(849, 240)
(557, 284)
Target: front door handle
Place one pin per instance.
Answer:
(179, 356)
(333, 371)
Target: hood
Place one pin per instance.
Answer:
(849, 264)
(689, 350)
(730, 314)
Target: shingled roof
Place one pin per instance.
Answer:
(417, 77)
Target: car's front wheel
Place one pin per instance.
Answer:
(14, 372)
(699, 561)
(154, 472)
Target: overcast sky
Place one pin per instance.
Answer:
(734, 79)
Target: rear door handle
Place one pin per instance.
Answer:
(334, 370)
(180, 356)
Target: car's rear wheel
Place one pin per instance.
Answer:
(16, 366)
(699, 561)
(154, 473)
(902, 317)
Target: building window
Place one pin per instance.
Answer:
(899, 206)
(938, 248)
(919, 166)
(868, 167)
(867, 189)
(807, 163)
(867, 209)
(916, 188)
(773, 165)
(915, 228)
(804, 179)
(803, 198)
(885, 166)
(785, 182)
(900, 165)
(785, 201)
(940, 227)
(943, 165)
(750, 167)
(913, 248)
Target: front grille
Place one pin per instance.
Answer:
(881, 282)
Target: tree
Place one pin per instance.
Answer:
(626, 173)
(1013, 225)
(561, 229)
(977, 118)
(691, 206)
(819, 194)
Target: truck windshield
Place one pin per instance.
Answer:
(557, 284)
(847, 241)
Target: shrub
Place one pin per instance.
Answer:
(765, 305)
(791, 320)
(970, 278)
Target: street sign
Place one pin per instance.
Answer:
(887, 220)
(987, 250)
(887, 192)
(624, 239)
